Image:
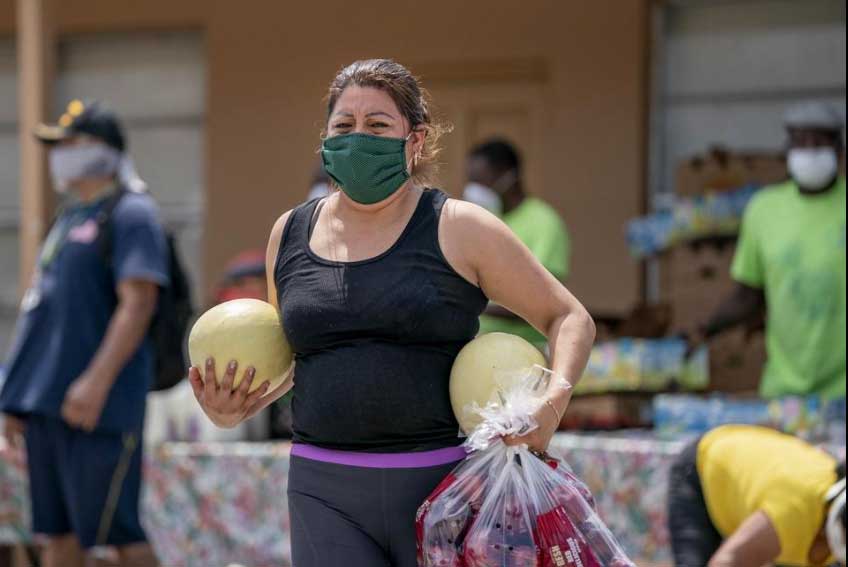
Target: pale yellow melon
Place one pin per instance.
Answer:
(245, 330)
(479, 364)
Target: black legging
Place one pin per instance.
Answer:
(694, 538)
(344, 516)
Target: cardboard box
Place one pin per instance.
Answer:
(646, 321)
(722, 170)
(737, 360)
(694, 280)
(609, 411)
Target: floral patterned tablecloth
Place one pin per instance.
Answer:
(216, 503)
(14, 499)
(627, 473)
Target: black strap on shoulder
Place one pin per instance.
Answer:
(104, 224)
(314, 220)
(438, 198)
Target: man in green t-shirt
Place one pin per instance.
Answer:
(494, 182)
(790, 263)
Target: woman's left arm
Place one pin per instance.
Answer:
(484, 250)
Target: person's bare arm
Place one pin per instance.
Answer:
(486, 252)
(755, 544)
(273, 248)
(746, 305)
(271, 252)
(499, 311)
(227, 406)
(127, 328)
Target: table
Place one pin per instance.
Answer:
(218, 503)
(210, 504)
(628, 475)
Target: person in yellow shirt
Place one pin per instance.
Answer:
(746, 496)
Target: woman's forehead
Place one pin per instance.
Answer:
(356, 100)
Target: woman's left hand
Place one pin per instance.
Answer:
(538, 439)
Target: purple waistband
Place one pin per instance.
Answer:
(380, 460)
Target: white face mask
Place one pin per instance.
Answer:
(813, 168)
(484, 196)
(72, 163)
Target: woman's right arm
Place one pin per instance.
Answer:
(227, 406)
(274, 243)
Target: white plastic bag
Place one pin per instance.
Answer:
(506, 507)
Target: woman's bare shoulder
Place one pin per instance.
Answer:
(470, 222)
(275, 240)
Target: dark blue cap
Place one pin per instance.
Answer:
(84, 117)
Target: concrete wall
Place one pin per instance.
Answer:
(568, 78)
(734, 68)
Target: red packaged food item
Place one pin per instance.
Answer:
(505, 507)
(502, 531)
(440, 544)
(444, 518)
(560, 543)
(565, 472)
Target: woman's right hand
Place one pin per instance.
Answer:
(225, 405)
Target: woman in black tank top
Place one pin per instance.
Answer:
(375, 337)
(379, 286)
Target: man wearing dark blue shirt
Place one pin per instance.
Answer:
(81, 363)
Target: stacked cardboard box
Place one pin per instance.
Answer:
(632, 360)
(737, 359)
(694, 280)
(609, 411)
(722, 170)
(695, 277)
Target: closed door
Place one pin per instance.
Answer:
(480, 112)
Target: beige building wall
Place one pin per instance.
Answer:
(565, 79)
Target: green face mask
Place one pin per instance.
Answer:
(368, 168)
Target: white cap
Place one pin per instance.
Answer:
(813, 115)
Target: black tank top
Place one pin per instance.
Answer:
(375, 340)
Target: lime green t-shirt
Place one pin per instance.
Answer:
(541, 229)
(793, 247)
